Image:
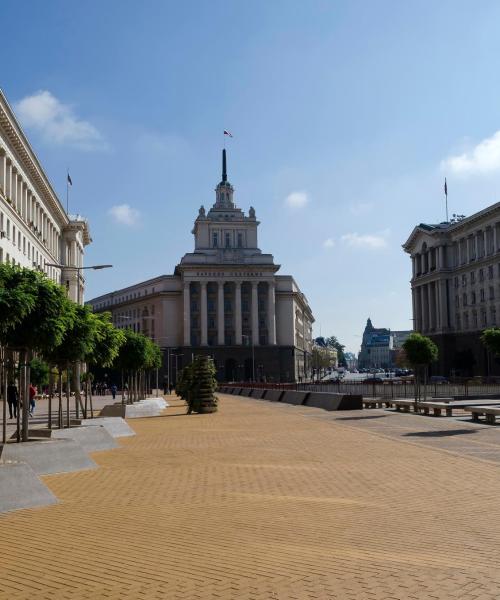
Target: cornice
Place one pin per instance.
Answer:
(27, 157)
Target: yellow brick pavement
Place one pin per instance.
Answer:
(256, 502)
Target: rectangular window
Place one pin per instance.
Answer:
(215, 240)
(464, 280)
(473, 298)
(492, 292)
(456, 281)
(473, 277)
(240, 240)
(228, 240)
(481, 274)
(228, 305)
(481, 294)
(490, 272)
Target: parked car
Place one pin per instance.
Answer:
(438, 379)
(373, 380)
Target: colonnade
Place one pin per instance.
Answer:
(190, 289)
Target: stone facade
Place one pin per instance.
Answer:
(224, 299)
(379, 345)
(456, 288)
(35, 230)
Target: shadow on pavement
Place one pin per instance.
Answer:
(361, 418)
(445, 433)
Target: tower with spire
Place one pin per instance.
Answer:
(225, 234)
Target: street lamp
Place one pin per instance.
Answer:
(78, 269)
(250, 340)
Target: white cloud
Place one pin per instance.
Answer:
(482, 158)
(329, 243)
(373, 241)
(297, 200)
(124, 214)
(57, 122)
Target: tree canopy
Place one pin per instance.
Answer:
(491, 339)
(420, 350)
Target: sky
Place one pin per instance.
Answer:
(346, 116)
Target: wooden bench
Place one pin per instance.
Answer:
(490, 413)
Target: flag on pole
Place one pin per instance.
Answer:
(228, 133)
(445, 187)
(69, 180)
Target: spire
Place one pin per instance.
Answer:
(224, 168)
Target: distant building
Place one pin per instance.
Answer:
(224, 299)
(351, 360)
(379, 345)
(456, 288)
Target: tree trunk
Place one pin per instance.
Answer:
(51, 394)
(3, 394)
(60, 407)
(24, 356)
(68, 395)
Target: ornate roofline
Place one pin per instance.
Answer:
(27, 157)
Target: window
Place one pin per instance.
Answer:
(464, 280)
(481, 294)
(228, 305)
(215, 240)
(458, 322)
(457, 301)
(492, 292)
(240, 240)
(14, 234)
(211, 323)
(464, 299)
(481, 274)
(456, 280)
(473, 298)
(473, 277)
(227, 240)
(244, 305)
(490, 272)
(493, 315)
(483, 318)
(474, 319)
(211, 305)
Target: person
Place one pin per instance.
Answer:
(32, 392)
(171, 388)
(12, 399)
(113, 390)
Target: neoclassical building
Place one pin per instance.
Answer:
(456, 288)
(35, 230)
(224, 299)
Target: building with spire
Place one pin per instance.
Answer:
(379, 345)
(225, 299)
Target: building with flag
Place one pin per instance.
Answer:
(224, 299)
(35, 230)
(456, 288)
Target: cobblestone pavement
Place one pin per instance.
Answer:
(261, 501)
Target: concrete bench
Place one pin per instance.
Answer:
(490, 413)
(406, 405)
(437, 408)
(377, 403)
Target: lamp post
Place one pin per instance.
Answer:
(78, 269)
(250, 340)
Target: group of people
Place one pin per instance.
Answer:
(13, 399)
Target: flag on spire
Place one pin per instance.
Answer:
(228, 133)
(445, 187)
(69, 180)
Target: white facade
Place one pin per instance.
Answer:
(456, 274)
(34, 228)
(225, 294)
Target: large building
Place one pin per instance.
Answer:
(35, 230)
(379, 345)
(225, 299)
(456, 288)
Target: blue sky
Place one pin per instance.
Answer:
(346, 117)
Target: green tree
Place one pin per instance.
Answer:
(39, 372)
(203, 385)
(420, 352)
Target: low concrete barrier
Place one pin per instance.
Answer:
(273, 395)
(296, 398)
(245, 391)
(333, 401)
(21, 488)
(91, 439)
(115, 426)
(258, 393)
(50, 456)
(131, 411)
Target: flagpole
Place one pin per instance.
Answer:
(446, 198)
(67, 191)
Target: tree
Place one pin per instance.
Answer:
(46, 317)
(420, 352)
(203, 386)
(491, 339)
(39, 372)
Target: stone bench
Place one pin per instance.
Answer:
(490, 413)
(437, 408)
(377, 403)
(406, 405)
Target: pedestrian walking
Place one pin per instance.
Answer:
(32, 391)
(12, 399)
(113, 390)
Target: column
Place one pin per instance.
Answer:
(476, 244)
(271, 313)
(220, 313)
(3, 172)
(414, 266)
(187, 315)
(425, 308)
(441, 251)
(443, 305)
(203, 310)
(414, 308)
(255, 314)
(432, 306)
(237, 313)
(495, 241)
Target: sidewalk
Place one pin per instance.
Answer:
(259, 501)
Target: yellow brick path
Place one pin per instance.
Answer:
(257, 502)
